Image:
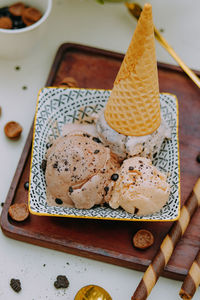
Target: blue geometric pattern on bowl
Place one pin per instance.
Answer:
(58, 106)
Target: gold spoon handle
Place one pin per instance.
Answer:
(135, 10)
(171, 51)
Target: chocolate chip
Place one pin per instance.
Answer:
(71, 189)
(43, 165)
(61, 282)
(96, 151)
(106, 189)
(74, 169)
(19, 211)
(143, 239)
(131, 168)
(15, 285)
(26, 185)
(198, 158)
(17, 68)
(2, 204)
(48, 145)
(86, 135)
(96, 139)
(59, 201)
(13, 130)
(55, 165)
(136, 209)
(154, 155)
(114, 177)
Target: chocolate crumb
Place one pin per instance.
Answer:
(26, 185)
(154, 155)
(43, 165)
(106, 189)
(48, 145)
(114, 177)
(96, 151)
(74, 169)
(131, 168)
(96, 139)
(55, 165)
(86, 135)
(198, 158)
(136, 209)
(15, 285)
(58, 201)
(61, 282)
(17, 68)
(2, 204)
(24, 87)
(71, 189)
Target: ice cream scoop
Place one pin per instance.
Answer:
(78, 171)
(141, 188)
(127, 146)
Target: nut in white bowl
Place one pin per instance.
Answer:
(17, 43)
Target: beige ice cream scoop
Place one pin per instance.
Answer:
(78, 171)
(141, 188)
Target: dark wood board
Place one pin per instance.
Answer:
(111, 241)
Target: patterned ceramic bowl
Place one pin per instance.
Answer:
(56, 107)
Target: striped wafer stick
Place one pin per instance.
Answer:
(163, 255)
(192, 280)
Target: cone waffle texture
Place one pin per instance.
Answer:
(134, 105)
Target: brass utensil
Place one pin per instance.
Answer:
(135, 9)
(92, 292)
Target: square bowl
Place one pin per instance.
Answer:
(58, 106)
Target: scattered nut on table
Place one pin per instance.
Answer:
(13, 130)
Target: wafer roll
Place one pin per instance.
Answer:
(192, 280)
(166, 249)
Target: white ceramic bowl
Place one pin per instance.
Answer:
(17, 43)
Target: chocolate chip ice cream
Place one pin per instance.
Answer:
(78, 171)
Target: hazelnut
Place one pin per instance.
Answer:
(13, 130)
(17, 9)
(5, 23)
(31, 15)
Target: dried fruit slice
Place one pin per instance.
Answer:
(17, 9)
(143, 239)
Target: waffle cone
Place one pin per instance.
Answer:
(134, 105)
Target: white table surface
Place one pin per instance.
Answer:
(108, 26)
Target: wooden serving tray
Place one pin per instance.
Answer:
(111, 241)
